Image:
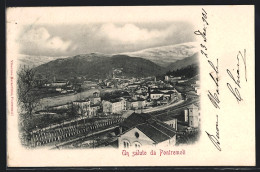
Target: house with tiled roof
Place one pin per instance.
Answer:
(144, 130)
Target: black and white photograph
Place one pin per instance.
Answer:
(133, 83)
(116, 84)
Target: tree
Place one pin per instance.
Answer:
(28, 99)
(71, 110)
(83, 111)
(77, 112)
(28, 91)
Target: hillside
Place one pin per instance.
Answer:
(98, 66)
(192, 60)
(34, 61)
(161, 56)
(165, 55)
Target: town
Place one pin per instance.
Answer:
(117, 112)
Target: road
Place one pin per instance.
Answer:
(160, 108)
(176, 107)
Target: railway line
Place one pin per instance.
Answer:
(175, 108)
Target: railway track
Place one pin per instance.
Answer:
(175, 108)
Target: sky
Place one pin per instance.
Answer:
(110, 30)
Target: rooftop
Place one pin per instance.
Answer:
(156, 130)
(115, 100)
(153, 128)
(166, 117)
(156, 92)
(192, 106)
(135, 119)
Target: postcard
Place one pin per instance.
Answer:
(130, 86)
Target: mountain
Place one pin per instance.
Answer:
(98, 66)
(34, 61)
(162, 56)
(165, 55)
(192, 60)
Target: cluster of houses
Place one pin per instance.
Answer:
(138, 128)
(140, 98)
(91, 106)
(61, 86)
(143, 93)
(146, 130)
(173, 79)
(137, 86)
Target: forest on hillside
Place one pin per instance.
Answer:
(187, 72)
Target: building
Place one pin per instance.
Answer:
(164, 96)
(59, 83)
(166, 78)
(191, 115)
(196, 87)
(114, 105)
(162, 101)
(173, 79)
(93, 110)
(96, 94)
(171, 121)
(89, 85)
(58, 89)
(95, 99)
(170, 95)
(135, 104)
(81, 106)
(191, 94)
(143, 130)
(156, 95)
(139, 95)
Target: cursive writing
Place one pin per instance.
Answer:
(203, 33)
(215, 139)
(214, 75)
(214, 99)
(235, 91)
(213, 94)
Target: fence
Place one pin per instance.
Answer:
(53, 136)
